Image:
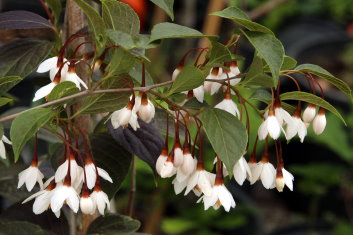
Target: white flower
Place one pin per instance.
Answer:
(199, 93)
(282, 116)
(44, 91)
(75, 170)
(227, 104)
(319, 122)
(252, 166)
(125, 116)
(64, 193)
(241, 171)
(214, 74)
(220, 196)
(146, 110)
(179, 186)
(189, 163)
(178, 155)
(266, 172)
(296, 126)
(86, 204)
(309, 113)
(91, 174)
(201, 179)
(168, 169)
(161, 160)
(283, 178)
(269, 126)
(42, 199)
(71, 76)
(51, 65)
(2, 146)
(100, 200)
(30, 176)
(176, 72)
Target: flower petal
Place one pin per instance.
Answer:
(44, 91)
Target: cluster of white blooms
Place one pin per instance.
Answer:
(59, 71)
(70, 180)
(138, 107)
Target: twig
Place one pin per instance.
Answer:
(265, 8)
(132, 187)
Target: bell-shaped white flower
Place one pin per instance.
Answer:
(168, 169)
(162, 159)
(125, 116)
(179, 186)
(265, 171)
(91, 174)
(145, 110)
(71, 76)
(42, 199)
(201, 179)
(178, 155)
(177, 71)
(241, 171)
(2, 146)
(283, 177)
(86, 202)
(214, 75)
(30, 176)
(64, 193)
(309, 113)
(51, 65)
(76, 171)
(199, 93)
(319, 122)
(220, 196)
(44, 91)
(282, 116)
(234, 69)
(227, 104)
(100, 200)
(189, 163)
(296, 126)
(270, 126)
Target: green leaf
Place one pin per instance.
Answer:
(189, 78)
(114, 224)
(4, 101)
(21, 57)
(218, 54)
(121, 62)
(256, 76)
(111, 157)
(26, 125)
(20, 227)
(120, 16)
(166, 5)
(170, 30)
(318, 71)
(239, 17)
(288, 63)
(63, 89)
(95, 23)
(312, 99)
(226, 134)
(56, 7)
(6, 83)
(268, 48)
(107, 102)
(121, 38)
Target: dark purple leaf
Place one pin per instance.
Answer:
(146, 143)
(22, 20)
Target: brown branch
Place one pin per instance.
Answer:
(265, 8)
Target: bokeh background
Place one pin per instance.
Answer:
(312, 31)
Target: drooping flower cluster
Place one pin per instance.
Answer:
(69, 182)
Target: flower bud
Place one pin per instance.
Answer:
(86, 204)
(178, 156)
(279, 183)
(188, 164)
(146, 111)
(309, 113)
(160, 161)
(167, 169)
(319, 122)
(121, 117)
(176, 72)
